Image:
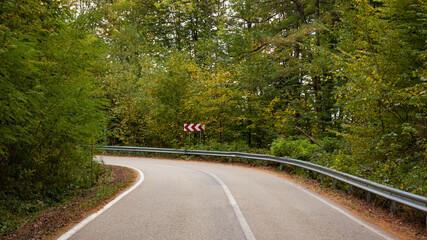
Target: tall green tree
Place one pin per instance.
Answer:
(49, 103)
(383, 59)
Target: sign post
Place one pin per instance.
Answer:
(191, 127)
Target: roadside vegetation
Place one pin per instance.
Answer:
(44, 220)
(341, 83)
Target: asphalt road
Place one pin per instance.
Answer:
(188, 200)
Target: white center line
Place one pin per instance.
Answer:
(243, 223)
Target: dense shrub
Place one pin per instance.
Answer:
(296, 148)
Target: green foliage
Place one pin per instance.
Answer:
(295, 148)
(383, 63)
(332, 144)
(49, 69)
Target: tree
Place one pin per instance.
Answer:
(383, 59)
(49, 102)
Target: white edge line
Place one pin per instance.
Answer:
(345, 213)
(83, 223)
(243, 223)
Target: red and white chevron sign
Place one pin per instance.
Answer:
(190, 127)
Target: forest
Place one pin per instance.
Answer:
(341, 83)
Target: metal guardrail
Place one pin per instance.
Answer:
(395, 195)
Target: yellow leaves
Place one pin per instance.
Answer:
(274, 101)
(272, 104)
(241, 118)
(37, 11)
(43, 63)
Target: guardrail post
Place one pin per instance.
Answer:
(281, 167)
(350, 189)
(247, 161)
(335, 183)
(230, 160)
(393, 207)
(322, 179)
(91, 163)
(368, 196)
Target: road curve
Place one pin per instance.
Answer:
(192, 200)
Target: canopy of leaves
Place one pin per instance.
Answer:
(348, 76)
